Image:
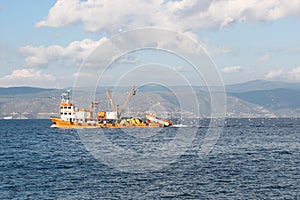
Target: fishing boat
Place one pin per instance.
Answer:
(73, 117)
(7, 117)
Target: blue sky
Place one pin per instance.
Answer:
(43, 43)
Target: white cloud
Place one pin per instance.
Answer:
(78, 51)
(294, 74)
(232, 69)
(274, 74)
(186, 16)
(37, 55)
(183, 15)
(28, 77)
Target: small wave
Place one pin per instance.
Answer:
(179, 126)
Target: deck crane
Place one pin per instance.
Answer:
(92, 105)
(115, 108)
(131, 93)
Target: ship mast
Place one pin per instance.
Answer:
(66, 97)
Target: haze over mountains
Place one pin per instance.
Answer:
(257, 98)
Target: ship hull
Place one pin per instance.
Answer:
(59, 123)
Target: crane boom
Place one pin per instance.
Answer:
(93, 103)
(131, 93)
(115, 108)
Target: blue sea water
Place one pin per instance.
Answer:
(252, 159)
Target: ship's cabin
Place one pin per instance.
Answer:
(66, 107)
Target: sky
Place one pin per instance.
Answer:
(44, 43)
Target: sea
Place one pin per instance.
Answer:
(250, 159)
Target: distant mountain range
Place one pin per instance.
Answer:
(257, 98)
(261, 85)
(22, 90)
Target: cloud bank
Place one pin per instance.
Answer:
(274, 74)
(28, 77)
(185, 15)
(78, 51)
(292, 75)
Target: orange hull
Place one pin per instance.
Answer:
(58, 123)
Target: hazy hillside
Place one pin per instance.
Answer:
(261, 85)
(22, 90)
(33, 103)
(283, 102)
(243, 100)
